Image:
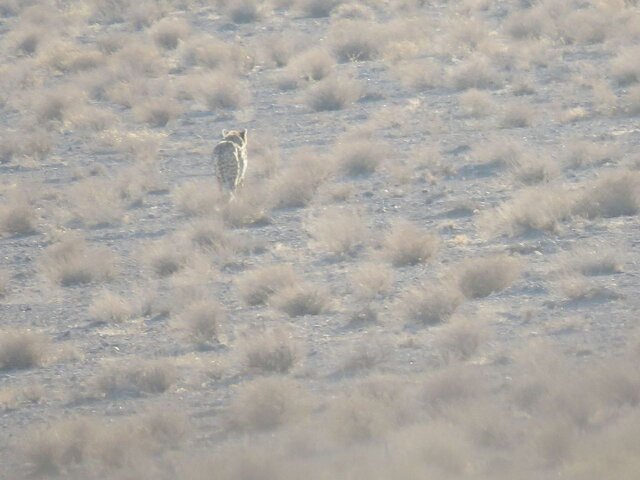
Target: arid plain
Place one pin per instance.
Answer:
(432, 270)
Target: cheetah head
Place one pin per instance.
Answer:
(235, 136)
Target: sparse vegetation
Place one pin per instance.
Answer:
(257, 286)
(480, 277)
(72, 262)
(406, 244)
(271, 352)
(338, 232)
(333, 93)
(22, 349)
(429, 271)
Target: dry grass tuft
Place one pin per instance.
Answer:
(594, 262)
(17, 216)
(22, 349)
(164, 258)
(198, 198)
(430, 305)
(360, 158)
(136, 378)
(476, 103)
(615, 194)
(244, 11)
(310, 66)
(273, 351)
(333, 93)
(296, 185)
(301, 299)
(369, 280)
(355, 41)
(157, 112)
(532, 209)
(624, 66)
(71, 262)
(108, 307)
(4, 283)
(480, 277)
(406, 244)
(518, 115)
(257, 286)
(475, 72)
(461, 339)
(168, 32)
(201, 321)
(317, 8)
(266, 403)
(341, 233)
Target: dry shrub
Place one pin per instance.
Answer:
(205, 51)
(499, 152)
(296, 185)
(54, 105)
(369, 280)
(310, 66)
(359, 158)
(278, 49)
(364, 355)
(518, 115)
(476, 103)
(71, 262)
(83, 446)
(615, 194)
(136, 378)
(532, 209)
(632, 101)
(339, 232)
(266, 403)
(452, 387)
(163, 257)
(594, 262)
(108, 307)
(198, 198)
(420, 75)
(317, 8)
(624, 66)
(248, 208)
(582, 153)
(273, 351)
(353, 11)
(356, 41)
(333, 93)
(138, 61)
(257, 286)
(201, 321)
(220, 91)
(535, 168)
(430, 304)
(461, 339)
(406, 244)
(576, 287)
(475, 72)
(211, 236)
(157, 112)
(244, 11)
(33, 145)
(169, 31)
(17, 216)
(480, 277)
(95, 202)
(301, 299)
(4, 283)
(22, 349)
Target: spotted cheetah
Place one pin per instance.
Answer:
(230, 160)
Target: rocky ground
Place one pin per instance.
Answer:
(432, 269)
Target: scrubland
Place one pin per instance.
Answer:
(431, 270)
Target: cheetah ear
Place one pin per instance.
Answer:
(225, 132)
(243, 135)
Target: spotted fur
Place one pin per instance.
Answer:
(230, 160)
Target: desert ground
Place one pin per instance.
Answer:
(431, 271)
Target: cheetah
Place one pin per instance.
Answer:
(230, 160)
